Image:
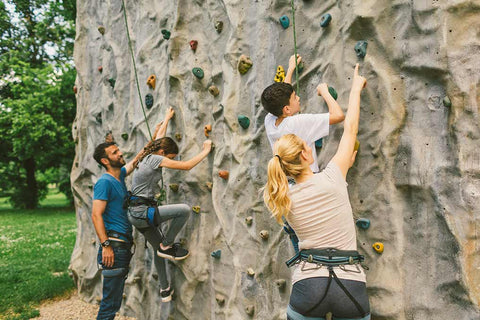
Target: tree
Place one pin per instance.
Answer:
(38, 104)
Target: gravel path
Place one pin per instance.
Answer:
(70, 308)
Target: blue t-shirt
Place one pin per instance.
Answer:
(114, 192)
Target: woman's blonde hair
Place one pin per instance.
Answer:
(285, 162)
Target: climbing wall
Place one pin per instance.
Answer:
(416, 176)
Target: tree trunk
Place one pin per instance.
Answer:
(31, 198)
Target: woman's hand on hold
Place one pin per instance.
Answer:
(359, 82)
(207, 145)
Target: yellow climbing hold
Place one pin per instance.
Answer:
(196, 209)
(378, 246)
(280, 75)
(357, 145)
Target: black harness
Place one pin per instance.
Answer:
(330, 258)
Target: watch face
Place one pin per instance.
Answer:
(106, 243)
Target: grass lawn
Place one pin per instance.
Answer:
(35, 249)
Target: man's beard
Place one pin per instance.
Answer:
(117, 163)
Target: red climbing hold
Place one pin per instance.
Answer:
(193, 45)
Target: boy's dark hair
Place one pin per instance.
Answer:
(100, 153)
(276, 96)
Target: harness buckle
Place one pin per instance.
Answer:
(350, 260)
(310, 258)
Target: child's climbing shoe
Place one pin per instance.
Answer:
(175, 252)
(166, 294)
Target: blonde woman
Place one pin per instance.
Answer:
(327, 276)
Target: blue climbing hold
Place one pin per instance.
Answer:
(149, 100)
(244, 121)
(284, 21)
(361, 48)
(319, 143)
(363, 223)
(325, 20)
(216, 254)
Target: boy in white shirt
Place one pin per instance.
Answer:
(282, 103)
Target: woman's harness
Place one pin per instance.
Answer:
(330, 258)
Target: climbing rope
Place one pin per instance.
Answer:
(294, 46)
(135, 67)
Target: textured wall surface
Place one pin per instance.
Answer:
(416, 176)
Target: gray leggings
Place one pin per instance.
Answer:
(179, 214)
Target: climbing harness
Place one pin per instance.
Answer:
(330, 258)
(135, 67)
(295, 47)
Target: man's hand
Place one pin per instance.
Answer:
(322, 89)
(359, 82)
(108, 257)
(291, 62)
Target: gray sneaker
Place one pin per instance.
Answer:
(176, 252)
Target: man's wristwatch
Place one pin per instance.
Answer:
(106, 243)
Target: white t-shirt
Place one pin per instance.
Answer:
(309, 127)
(321, 216)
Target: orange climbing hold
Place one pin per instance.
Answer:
(223, 174)
(151, 81)
(207, 129)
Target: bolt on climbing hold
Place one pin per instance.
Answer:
(193, 45)
(220, 299)
(250, 272)
(219, 26)
(378, 247)
(281, 283)
(112, 82)
(207, 129)
(178, 136)
(216, 254)
(198, 72)
(196, 209)
(280, 74)
(209, 185)
(223, 174)
(250, 310)
(361, 48)
(325, 20)
(363, 223)
(249, 220)
(446, 102)
(101, 29)
(100, 69)
(333, 92)
(284, 21)
(151, 81)
(125, 136)
(319, 143)
(264, 234)
(149, 100)
(173, 187)
(213, 90)
(244, 64)
(75, 89)
(244, 121)
(166, 34)
(357, 145)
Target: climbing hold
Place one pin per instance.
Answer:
(196, 209)
(284, 21)
(378, 246)
(281, 283)
(198, 72)
(149, 100)
(250, 272)
(213, 90)
(151, 81)
(173, 187)
(193, 45)
(300, 67)
(249, 220)
(166, 34)
(264, 234)
(183, 241)
(363, 223)
(357, 145)
(325, 20)
(216, 254)
(333, 92)
(446, 102)
(280, 74)
(219, 26)
(319, 143)
(250, 310)
(220, 299)
(178, 136)
(207, 129)
(100, 69)
(98, 117)
(112, 82)
(223, 174)
(217, 111)
(109, 136)
(125, 136)
(244, 64)
(209, 185)
(101, 29)
(75, 89)
(361, 48)
(243, 121)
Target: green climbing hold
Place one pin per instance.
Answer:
(149, 100)
(333, 92)
(112, 82)
(361, 48)
(166, 34)
(319, 143)
(447, 102)
(301, 66)
(244, 121)
(125, 136)
(219, 26)
(244, 64)
(284, 21)
(325, 20)
(216, 254)
(198, 72)
(101, 29)
(173, 187)
(363, 223)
